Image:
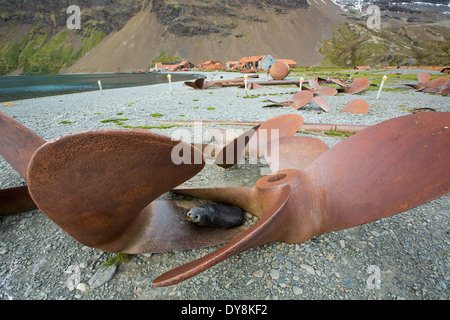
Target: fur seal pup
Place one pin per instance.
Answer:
(216, 215)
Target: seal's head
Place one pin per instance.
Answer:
(216, 215)
(195, 214)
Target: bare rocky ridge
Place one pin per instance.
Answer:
(130, 34)
(220, 32)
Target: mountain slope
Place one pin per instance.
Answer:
(34, 38)
(222, 35)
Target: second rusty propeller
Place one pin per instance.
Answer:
(381, 171)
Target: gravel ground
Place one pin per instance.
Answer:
(407, 253)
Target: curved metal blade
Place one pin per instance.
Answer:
(255, 140)
(358, 106)
(338, 82)
(15, 200)
(302, 98)
(95, 185)
(358, 85)
(383, 170)
(200, 83)
(423, 77)
(436, 83)
(241, 197)
(17, 143)
(276, 104)
(314, 84)
(322, 103)
(262, 232)
(234, 150)
(445, 90)
(327, 91)
(273, 129)
(163, 226)
(293, 152)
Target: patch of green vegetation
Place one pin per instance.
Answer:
(164, 57)
(118, 122)
(210, 108)
(65, 122)
(39, 53)
(405, 108)
(117, 259)
(353, 44)
(339, 134)
(195, 100)
(156, 115)
(164, 126)
(253, 96)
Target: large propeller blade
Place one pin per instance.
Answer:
(381, 171)
(17, 143)
(100, 187)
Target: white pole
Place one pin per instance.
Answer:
(301, 83)
(245, 83)
(381, 86)
(100, 85)
(170, 83)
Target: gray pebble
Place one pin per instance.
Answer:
(103, 275)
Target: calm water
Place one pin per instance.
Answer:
(26, 87)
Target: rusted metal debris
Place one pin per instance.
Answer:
(17, 146)
(344, 187)
(293, 152)
(318, 90)
(358, 85)
(358, 106)
(231, 151)
(301, 99)
(417, 110)
(279, 70)
(298, 100)
(15, 200)
(431, 86)
(314, 127)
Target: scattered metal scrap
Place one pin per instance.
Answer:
(279, 70)
(424, 84)
(358, 106)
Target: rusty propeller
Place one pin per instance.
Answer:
(424, 84)
(102, 187)
(358, 85)
(17, 146)
(383, 170)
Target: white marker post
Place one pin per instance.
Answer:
(245, 83)
(381, 86)
(301, 83)
(100, 85)
(170, 83)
